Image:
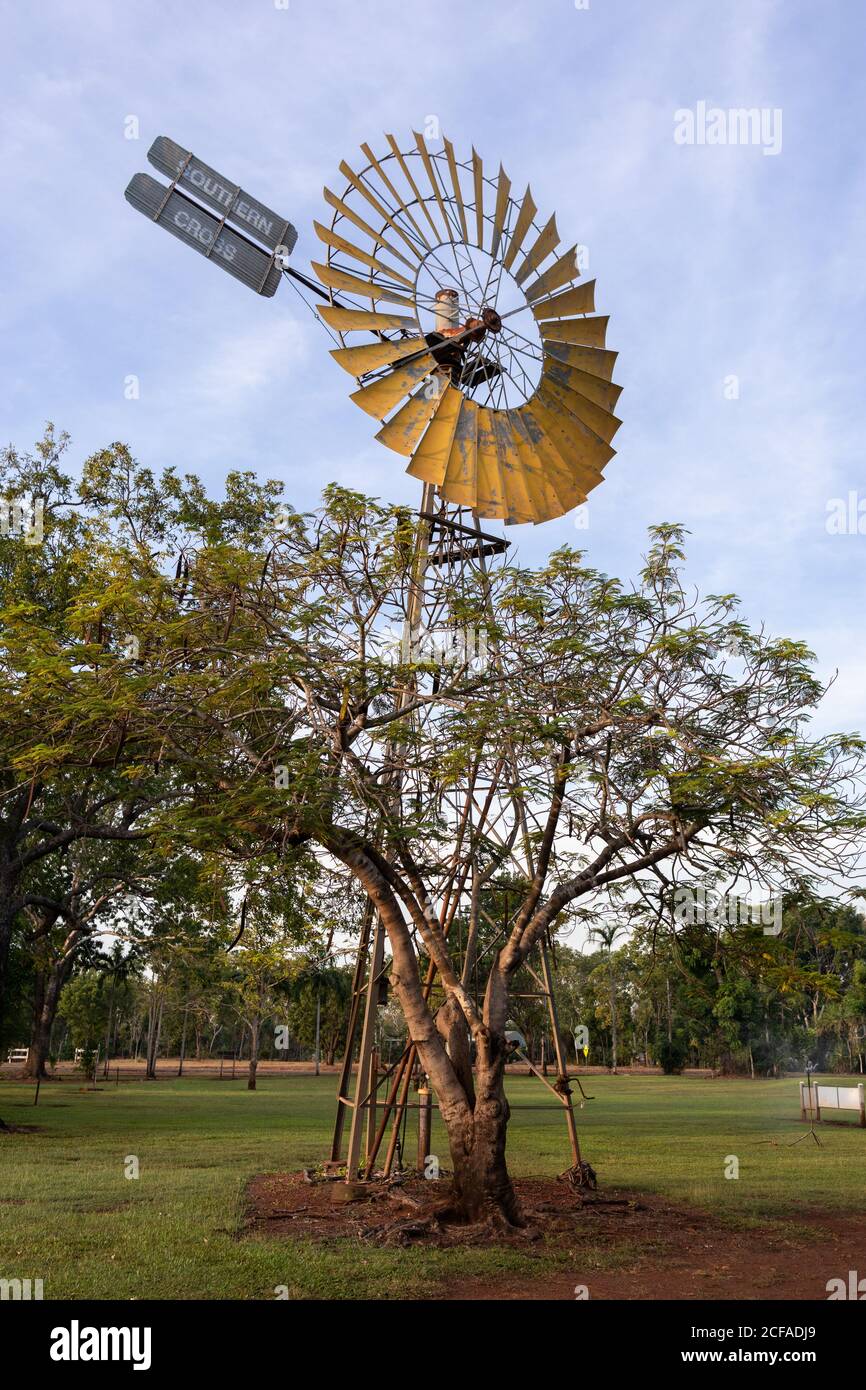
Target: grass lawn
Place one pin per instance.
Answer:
(69, 1216)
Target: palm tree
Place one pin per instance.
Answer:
(121, 965)
(607, 936)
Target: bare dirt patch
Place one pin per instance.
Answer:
(619, 1245)
(404, 1213)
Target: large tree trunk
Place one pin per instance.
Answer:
(107, 1059)
(482, 1188)
(40, 981)
(612, 1015)
(476, 1119)
(182, 1044)
(40, 1042)
(153, 1032)
(52, 985)
(254, 1055)
(8, 913)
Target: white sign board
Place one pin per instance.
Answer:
(814, 1099)
(839, 1097)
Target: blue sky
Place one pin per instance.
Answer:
(713, 261)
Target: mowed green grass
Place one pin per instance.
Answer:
(69, 1216)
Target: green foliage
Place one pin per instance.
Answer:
(204, 714)
(84, 1005)
(671, 1055)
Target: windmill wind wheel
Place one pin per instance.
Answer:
(470, 338)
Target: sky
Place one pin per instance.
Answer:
(734, 274)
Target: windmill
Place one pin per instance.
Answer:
(474, 344)
(479, 350)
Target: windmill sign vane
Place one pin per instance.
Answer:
(464, 325)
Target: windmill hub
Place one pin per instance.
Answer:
(452, 338)
(463, 293)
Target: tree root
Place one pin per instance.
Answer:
(581, 1176)
(446, 1225)
(405, 1232)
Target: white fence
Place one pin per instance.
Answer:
(832, 1098)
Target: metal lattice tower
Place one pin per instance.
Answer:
(376, 1101)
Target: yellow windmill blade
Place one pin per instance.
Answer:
(588, 332)
(521, 227)
(406, 171)
(379, 397)
(340, 243)
(580, 300)
(503, 195)
(345, 210)
(485, 365)
(562, 272)
(353, 284)
(489, 486)
(595, 388)
(460, 483)
(478, 183)
(430, 459)
(432, 179)
(520, 503)
(403, 431)
(394, 191)
(584, 452)
(599, 361)
(546, 501)
(595, 417)
(366, 320)
(358, 361)
(375, 203)
(539, 251)
(569, 481)
(455, 184)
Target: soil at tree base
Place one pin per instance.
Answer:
(651, 1248)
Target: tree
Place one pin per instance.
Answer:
(70, 899)
(616, 711)
(607, 934)
(84, 1005)
(92, 608)
(319, 992)
(78, 759)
